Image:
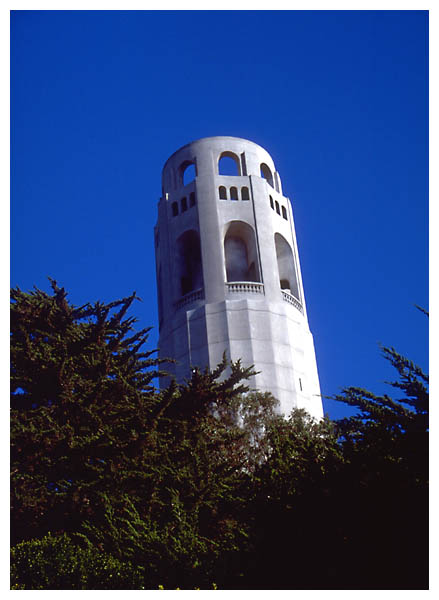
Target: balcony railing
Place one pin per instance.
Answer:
(245, 286)
(190, 297)
(292, 300)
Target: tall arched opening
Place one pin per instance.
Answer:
(190, 269)
(240, 253)
(266, 174)
(187, 172)
(286, 266)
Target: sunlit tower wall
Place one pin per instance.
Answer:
(228, 272)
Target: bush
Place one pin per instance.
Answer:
(56, 563)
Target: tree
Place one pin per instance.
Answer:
(344, 505)
(384, 491)
(81, 399)
(290, 506)
(102, 457)
(54, 562)
(201, 483)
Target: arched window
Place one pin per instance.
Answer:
(271, 203)
(233, 193)
(174, 209)
(284, 213)
(228, 164)
(266, 174)
(244, 193)
(184, 204)
(286, 266)
(276, 181)
(189, 173)
(192, 199)
(222, 192)
(277, 207)
(190, 272)
(240, 253)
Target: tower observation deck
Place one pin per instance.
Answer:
(228, 272)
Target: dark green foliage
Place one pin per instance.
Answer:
(345, 505)
(385, 481)
(201, 484)
(383, 418)
(292, 527)
(81, 408)
(55, 563)
(98, 454)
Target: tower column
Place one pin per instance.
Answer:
(228, 272)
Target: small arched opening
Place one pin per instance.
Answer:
(240, 253)
(266, 174)
(286, 266)
(228, 164)
(190, 272)
(187, 172)
(233, 193)
(222, 193)
(245, 193)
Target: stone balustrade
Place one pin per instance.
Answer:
(190, 297)
(292, 300)
(245, 286)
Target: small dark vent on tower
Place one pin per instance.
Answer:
(233, 193)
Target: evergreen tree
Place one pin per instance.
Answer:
(292, 531)
(383, 495)
(201, 483)
(344, 505)
(82, 400)
(98, 454)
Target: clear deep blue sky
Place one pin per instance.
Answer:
(100, 100)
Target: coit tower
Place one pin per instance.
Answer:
(228, 272)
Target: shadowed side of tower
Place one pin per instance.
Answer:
(228, 273)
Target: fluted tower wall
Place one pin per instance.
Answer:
(228, 271)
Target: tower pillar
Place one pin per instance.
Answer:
(228, 272)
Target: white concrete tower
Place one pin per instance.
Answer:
(228, 273)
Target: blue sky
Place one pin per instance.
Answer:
(100, 100)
